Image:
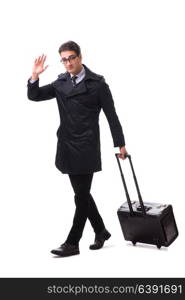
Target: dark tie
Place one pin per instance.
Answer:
(74, 80)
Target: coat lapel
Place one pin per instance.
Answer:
(81, 88)
(67, 87)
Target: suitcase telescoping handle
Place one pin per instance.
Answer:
(136, 184)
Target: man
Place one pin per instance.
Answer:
(80, 95)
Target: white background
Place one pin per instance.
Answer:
(139, 48)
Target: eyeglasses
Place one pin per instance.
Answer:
(69, 59)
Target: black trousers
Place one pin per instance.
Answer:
(85, 208)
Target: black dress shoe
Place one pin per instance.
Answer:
(100, 239)
(66, 250)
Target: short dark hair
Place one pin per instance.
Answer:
(70, 46)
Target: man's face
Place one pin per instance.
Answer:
(71, 61)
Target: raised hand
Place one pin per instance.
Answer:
(38, 66)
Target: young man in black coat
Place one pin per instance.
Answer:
(80, 95)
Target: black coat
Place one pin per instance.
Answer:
(78, 146)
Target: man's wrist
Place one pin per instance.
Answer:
(34, 76)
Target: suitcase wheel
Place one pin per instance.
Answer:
(134, 243)
(158, 246)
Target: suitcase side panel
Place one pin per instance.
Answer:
(169, 226)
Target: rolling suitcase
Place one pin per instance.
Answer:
(145, 222)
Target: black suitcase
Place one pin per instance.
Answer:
(150, 223)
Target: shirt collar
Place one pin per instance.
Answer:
(88, 74)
